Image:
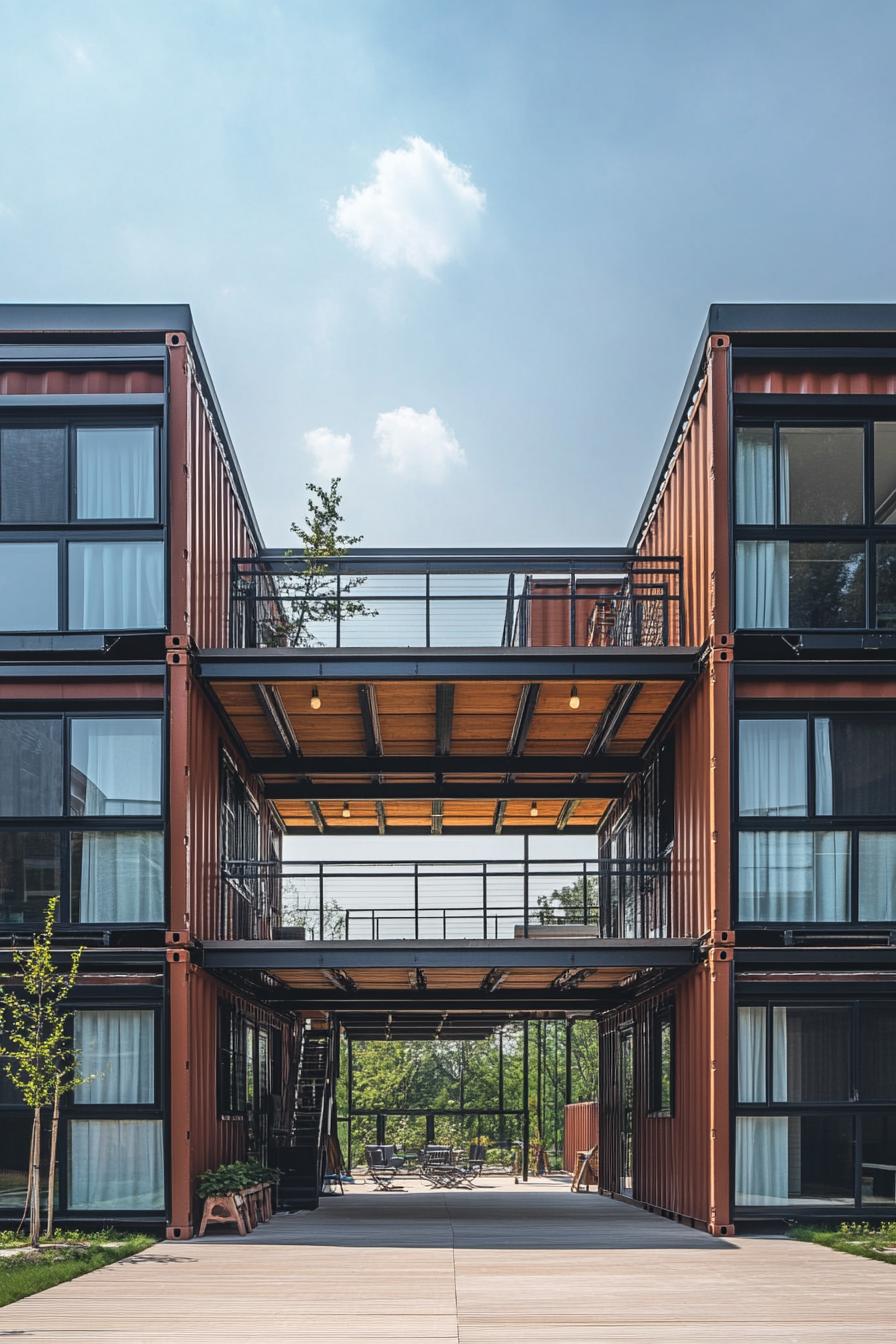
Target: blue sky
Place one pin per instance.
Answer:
(566, 187)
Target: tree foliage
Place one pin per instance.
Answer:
(311, 598)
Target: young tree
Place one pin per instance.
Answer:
(314, 596)
(38, 1056)
(567, 905)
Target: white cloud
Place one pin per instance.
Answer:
(417, 444)
(330, 452)
(418, 211)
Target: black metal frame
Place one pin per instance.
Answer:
(811, 822)
(865, 536)
(68, 823)
(660, 1017)
(855, 998)
(71, 415)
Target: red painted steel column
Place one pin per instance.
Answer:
(179, 782)
(721, 970)
(180, 975)
(180, 514)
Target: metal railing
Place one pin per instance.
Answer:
(418, 599)
(446, 899)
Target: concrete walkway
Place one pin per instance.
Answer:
(516, 1264)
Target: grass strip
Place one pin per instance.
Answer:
(33, 1271)
(872, 1243)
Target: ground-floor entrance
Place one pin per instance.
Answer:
(531, 1263)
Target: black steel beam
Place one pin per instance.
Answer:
(604, 763)
(380, 817)
(504, 1002)
(438, 816)
(569, 979)
(494, 980)
(370, 720)
(406, 954)
(498, 818)
(339, 978)
(471, 664)
(566, 812)
(524, 711)
(444, 717)
(397, 791)
(268, 698)
(800, 958)
(611, 720)
(808, 668)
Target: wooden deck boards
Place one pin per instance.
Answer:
(528, 1264)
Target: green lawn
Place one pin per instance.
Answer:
(69, 1256)
(874, 1243)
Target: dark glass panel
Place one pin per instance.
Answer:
(820, 474)
(854, 774)
(14, 1153)
(886, 586)
(878, 1160)
(878, 1079)
(885, 473)
(32, 475)
(810, 1053)
(827, 585)
(30, 767)
(30, 873)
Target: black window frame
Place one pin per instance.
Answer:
(661, 1019)
(69, 823)
(240, 842)
(231, 1060)
(812, 821)
(62, 533)
(856, 1107)
(866, 535)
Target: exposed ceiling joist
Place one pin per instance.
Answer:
(566, 811)
(610, 721)
(523, 721)
(438, 812)
(277, 718)
(444, 717)
(370, 719)
(559, 764)
(493, 980)
(380, 817)
(417, 979)
(318, 816)
(570, 978)
(498, 819)
(447, 789)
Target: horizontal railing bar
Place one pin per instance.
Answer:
(424, 792)
(442, 765)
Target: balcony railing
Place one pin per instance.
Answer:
(421, 599)
(448, 899)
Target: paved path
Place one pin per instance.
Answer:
(520, 1265)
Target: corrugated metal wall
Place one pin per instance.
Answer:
(208, 524)
(671, 1154)
(580, 1130)
(820, 381)
(67, 381)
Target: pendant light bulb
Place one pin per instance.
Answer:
(315, 698)
(533, 810)
(346, 811)
(574, 700)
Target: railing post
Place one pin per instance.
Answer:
(338, 609)
(426, 604)
(584, 891)
(485, 900)
(320, 894)
(416, 900)
(526, 886)
(572, 610)
(525, 1133)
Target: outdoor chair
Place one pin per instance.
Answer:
(382, 1164)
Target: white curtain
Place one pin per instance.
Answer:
(772, 767)
(116, 473)
(763, 585)
(116, 1164)
(784, 480)
(117, 763)
(761, 1160)
(118, 878)
(793, 876)
(877, 876)
(116, 1053)
(824, 771)
(754, 477)
(751, 1051)
(115, 585)
(780, 1056)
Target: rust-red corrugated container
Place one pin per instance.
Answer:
(580, 1130)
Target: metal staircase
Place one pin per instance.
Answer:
(300, 1150)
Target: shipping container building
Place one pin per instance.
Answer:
(710, 710)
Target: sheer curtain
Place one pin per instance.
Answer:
(824, 770)
(116, 1053)
(772, 768)
(755, 477)
(763, 579)
(116, 473)
(117, 877)
(751, 1052)
(116, 1164)
(118, 763)
(761, 1160)
(877, 876)
(115, 585)
(793, 876)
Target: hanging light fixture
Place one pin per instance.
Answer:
(574, 700)
(533, 810)
(315, 698)
(346, 811)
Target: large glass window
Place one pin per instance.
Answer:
(33, 475)
(810, 1053)
(752, 1053)
(772, 768)
(115, 1164)
(115, 585)
(29, 586)
(878, 1160)
(30, 767)
(115, 767)
(794, 1159)
(854, 774)
(116, 1053)
(113, 873)
(878, 1074)
(116, 473)
(793, 877)
(795, 486)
